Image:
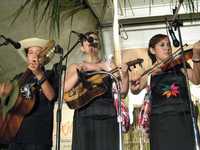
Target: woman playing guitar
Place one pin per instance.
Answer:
(95, 124)
(34, 130)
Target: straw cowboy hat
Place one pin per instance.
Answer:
(32, 42)
(47, 47)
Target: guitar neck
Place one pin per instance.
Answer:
(129, 64)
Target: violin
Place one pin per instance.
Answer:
(174, 59)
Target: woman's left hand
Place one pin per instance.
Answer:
(124, 70)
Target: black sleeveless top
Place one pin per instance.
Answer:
(169, 91)
(101, 106)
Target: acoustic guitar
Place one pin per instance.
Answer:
(91, 87)
(14, 107)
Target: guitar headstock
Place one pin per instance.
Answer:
(135, 62)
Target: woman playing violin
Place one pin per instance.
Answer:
(170, 119)
(95, 125)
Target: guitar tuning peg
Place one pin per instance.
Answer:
(140, 64)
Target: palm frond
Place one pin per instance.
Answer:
(20, 10)
(70, 12)
(105, 4)
(50, 11)
(55, 16)
(56, 12)
(190, 5)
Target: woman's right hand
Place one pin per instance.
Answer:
(5, 89)
(72, 75)
(83, 67)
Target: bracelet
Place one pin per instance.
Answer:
(41, 81)
(196, 60)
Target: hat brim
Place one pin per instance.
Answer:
(35, 42)
(32, 42)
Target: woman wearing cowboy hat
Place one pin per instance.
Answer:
(35, 132)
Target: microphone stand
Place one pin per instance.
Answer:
(176, 22)
(4, 43)
(119, 112)
(62, 71)
(59, 69)
(70, 50)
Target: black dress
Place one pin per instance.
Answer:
(170, 125)
(95, 125)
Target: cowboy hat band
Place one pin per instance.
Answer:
(32, 42)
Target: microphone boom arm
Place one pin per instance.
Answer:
(7, 41)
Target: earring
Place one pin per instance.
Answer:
(152, 51)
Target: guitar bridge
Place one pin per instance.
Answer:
(26, 91)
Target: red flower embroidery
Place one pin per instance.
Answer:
(172, 90)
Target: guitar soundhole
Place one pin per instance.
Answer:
(71, 93)
(7, 100)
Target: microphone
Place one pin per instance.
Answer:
(58, 49)
(93, 42)
(15, 44)
(173, 36)
(80, 35)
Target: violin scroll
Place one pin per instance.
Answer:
(134, 62)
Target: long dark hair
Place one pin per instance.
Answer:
(152, 42)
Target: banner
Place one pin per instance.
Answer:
(66, 128)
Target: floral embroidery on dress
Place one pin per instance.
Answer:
(170, 91)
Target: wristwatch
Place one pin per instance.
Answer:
(41, 81)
